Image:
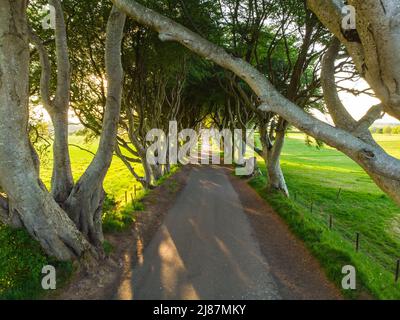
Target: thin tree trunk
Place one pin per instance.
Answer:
(85, 202)
(271, 154)
(276, 179)
(148, 172)
(128, 164)
(61, 180)
(157, 171)
(143, 156)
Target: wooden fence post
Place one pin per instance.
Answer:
(338, 194)
(357, 241)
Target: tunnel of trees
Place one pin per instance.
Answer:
(124, 67)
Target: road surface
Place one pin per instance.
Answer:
(206, 248)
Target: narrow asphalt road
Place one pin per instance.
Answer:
(205, 248)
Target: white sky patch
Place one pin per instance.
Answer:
(40, 111)
(359, 105)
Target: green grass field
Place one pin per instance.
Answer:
(117, 181)
(314, 178)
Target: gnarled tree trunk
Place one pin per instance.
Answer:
(35, 207)
(271, 153)
(276, 179)
(84, 205)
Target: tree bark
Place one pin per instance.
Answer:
(271, 154)
(62, 180)
(36, 208)
(276, 179)
(371, 158)
(84, 205)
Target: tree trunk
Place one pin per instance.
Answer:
(148, 173)
(276, 179)
(271, 154)
(84, 205)
(143, 156)
(36, 208)
(61, 181)
(157, 171)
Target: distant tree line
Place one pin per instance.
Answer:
(386, 130)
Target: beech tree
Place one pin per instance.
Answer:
(73, 227)
(158, 78)
(287, 51)
(67, 222)
(382, 167)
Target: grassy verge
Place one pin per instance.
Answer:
(314, 178)
(21, 263)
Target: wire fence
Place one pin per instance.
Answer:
(133, 195)
(389, 257)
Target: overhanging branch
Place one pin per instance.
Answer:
(370, 157)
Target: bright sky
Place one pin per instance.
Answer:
(357, 105)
